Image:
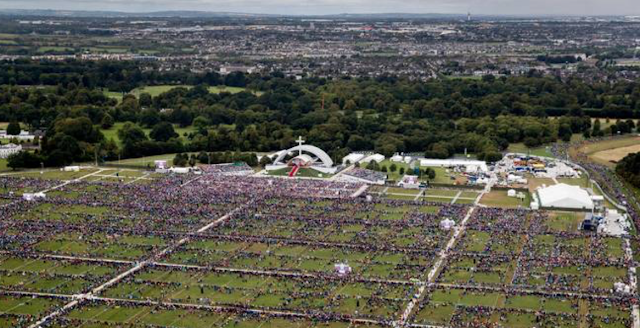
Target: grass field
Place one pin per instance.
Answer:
(146, 162)
(613, 156)
(499, 198)
(605, 151)
(112, 133)
(537, 151)
(155, 91)
(442, 177)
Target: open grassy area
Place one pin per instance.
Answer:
(146, 162)
(112, 133)
(564, 221)
(157, 90)
(442, 177)
(605, 151)
(536, 151)
(613, 156)
(499, 198)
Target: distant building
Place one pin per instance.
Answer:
(8, 150)
(224, 70)
(24, 135)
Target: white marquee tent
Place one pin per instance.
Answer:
(565, 196)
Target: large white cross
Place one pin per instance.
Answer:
(300, 142)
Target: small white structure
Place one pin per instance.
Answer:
(622, 288)
(71, 169)
(375, 157)
(397, 158)
(33, 197)
(180, 170)
(8, 150)
(160, 165)
(447, 224)
(409, 182)
(512, 178)
(511, 193)
(352, 158)
(342, 269)
(565, 196)
(471, 166)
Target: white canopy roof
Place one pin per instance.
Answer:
(565, 196)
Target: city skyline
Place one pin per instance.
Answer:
(328, 7)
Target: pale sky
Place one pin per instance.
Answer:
(310, 7)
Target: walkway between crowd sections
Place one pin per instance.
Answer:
(139, 266)
(633, 279)
(73, 180)
(55, 187)
(456, 197)
(444, 254)
(360, 191)
(144, 177)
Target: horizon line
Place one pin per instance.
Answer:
(317, 15)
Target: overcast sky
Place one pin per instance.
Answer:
(308, 7)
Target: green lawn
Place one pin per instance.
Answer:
(536, 151)
(442, 177)
(499, 198)
(144, 162)
(112, 133)
(3, 165)
(157, 90)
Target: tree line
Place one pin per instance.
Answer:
(387, 114)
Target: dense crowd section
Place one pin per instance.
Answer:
(233, 251)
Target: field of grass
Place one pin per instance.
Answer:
(564, 221)
(593, 149)
(442, 177)
(155, 91)
(112, 133)
(537, 151)
(146, 162)
(54, 49)
(499, 198)
(613, 156)
(3, 165)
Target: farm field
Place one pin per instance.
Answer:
(217, 250)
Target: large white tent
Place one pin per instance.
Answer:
(565, 196)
